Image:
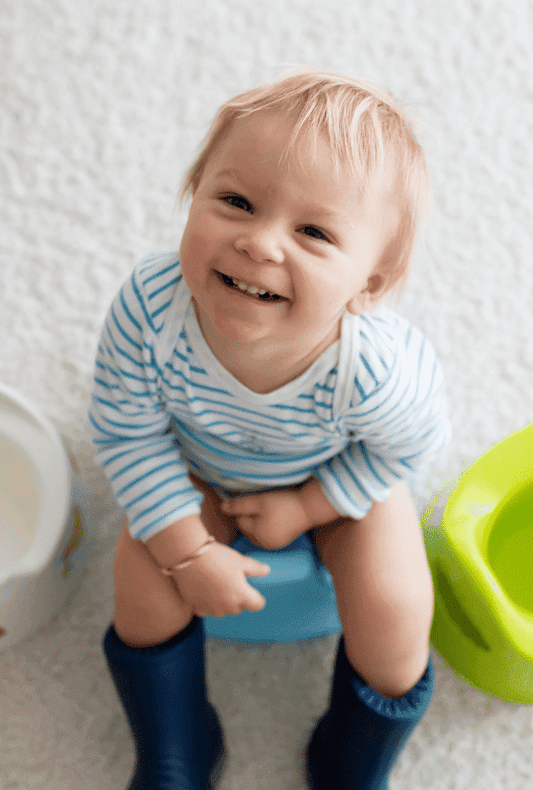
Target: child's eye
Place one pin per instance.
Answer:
(238, 202)
(315, 233)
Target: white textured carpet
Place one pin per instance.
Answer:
(102, 107)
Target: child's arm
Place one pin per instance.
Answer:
(273, 519)
(130, 423)
(181, 539)
(215, 582)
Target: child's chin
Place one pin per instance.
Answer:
(240, 332)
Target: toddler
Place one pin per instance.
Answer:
(251, 383)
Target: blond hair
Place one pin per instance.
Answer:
(365, 128)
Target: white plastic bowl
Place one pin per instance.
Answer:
(42, 546)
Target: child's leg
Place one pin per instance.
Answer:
(384, 592)
(148, 609)
(156, 656)
(383, 680)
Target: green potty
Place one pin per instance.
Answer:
(479, 543)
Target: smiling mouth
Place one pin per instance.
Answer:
(249, 290)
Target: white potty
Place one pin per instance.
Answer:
(43, 549)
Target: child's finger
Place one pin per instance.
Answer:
(254, 567)
(255, 602)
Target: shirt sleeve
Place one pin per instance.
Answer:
(131, 430)
(399, 427)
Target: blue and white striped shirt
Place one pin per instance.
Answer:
(368, 413)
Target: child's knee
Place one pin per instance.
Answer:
(416, 606)
(147, 607)
(390, 651)
(408, 612)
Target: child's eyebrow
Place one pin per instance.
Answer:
(322, 211)
(228, 171)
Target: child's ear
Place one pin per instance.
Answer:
(376, 288)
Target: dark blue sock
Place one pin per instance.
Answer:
(177, 734)
(362, 734)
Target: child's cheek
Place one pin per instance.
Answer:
(205, 236)
(193, 245)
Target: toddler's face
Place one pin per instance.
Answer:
(273, 254)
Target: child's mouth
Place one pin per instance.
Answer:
(249, 290)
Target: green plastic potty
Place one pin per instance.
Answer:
(480, 549)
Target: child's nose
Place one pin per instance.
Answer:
(261, 244)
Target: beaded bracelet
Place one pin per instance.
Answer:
(187, 561)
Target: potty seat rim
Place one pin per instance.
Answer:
(49, 462)
(468, 519)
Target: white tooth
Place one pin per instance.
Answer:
(241, 285)
(252, 289)
(261, 292)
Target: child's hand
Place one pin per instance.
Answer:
(215, 582)
(271, 519)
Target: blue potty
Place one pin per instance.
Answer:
(299, 593)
